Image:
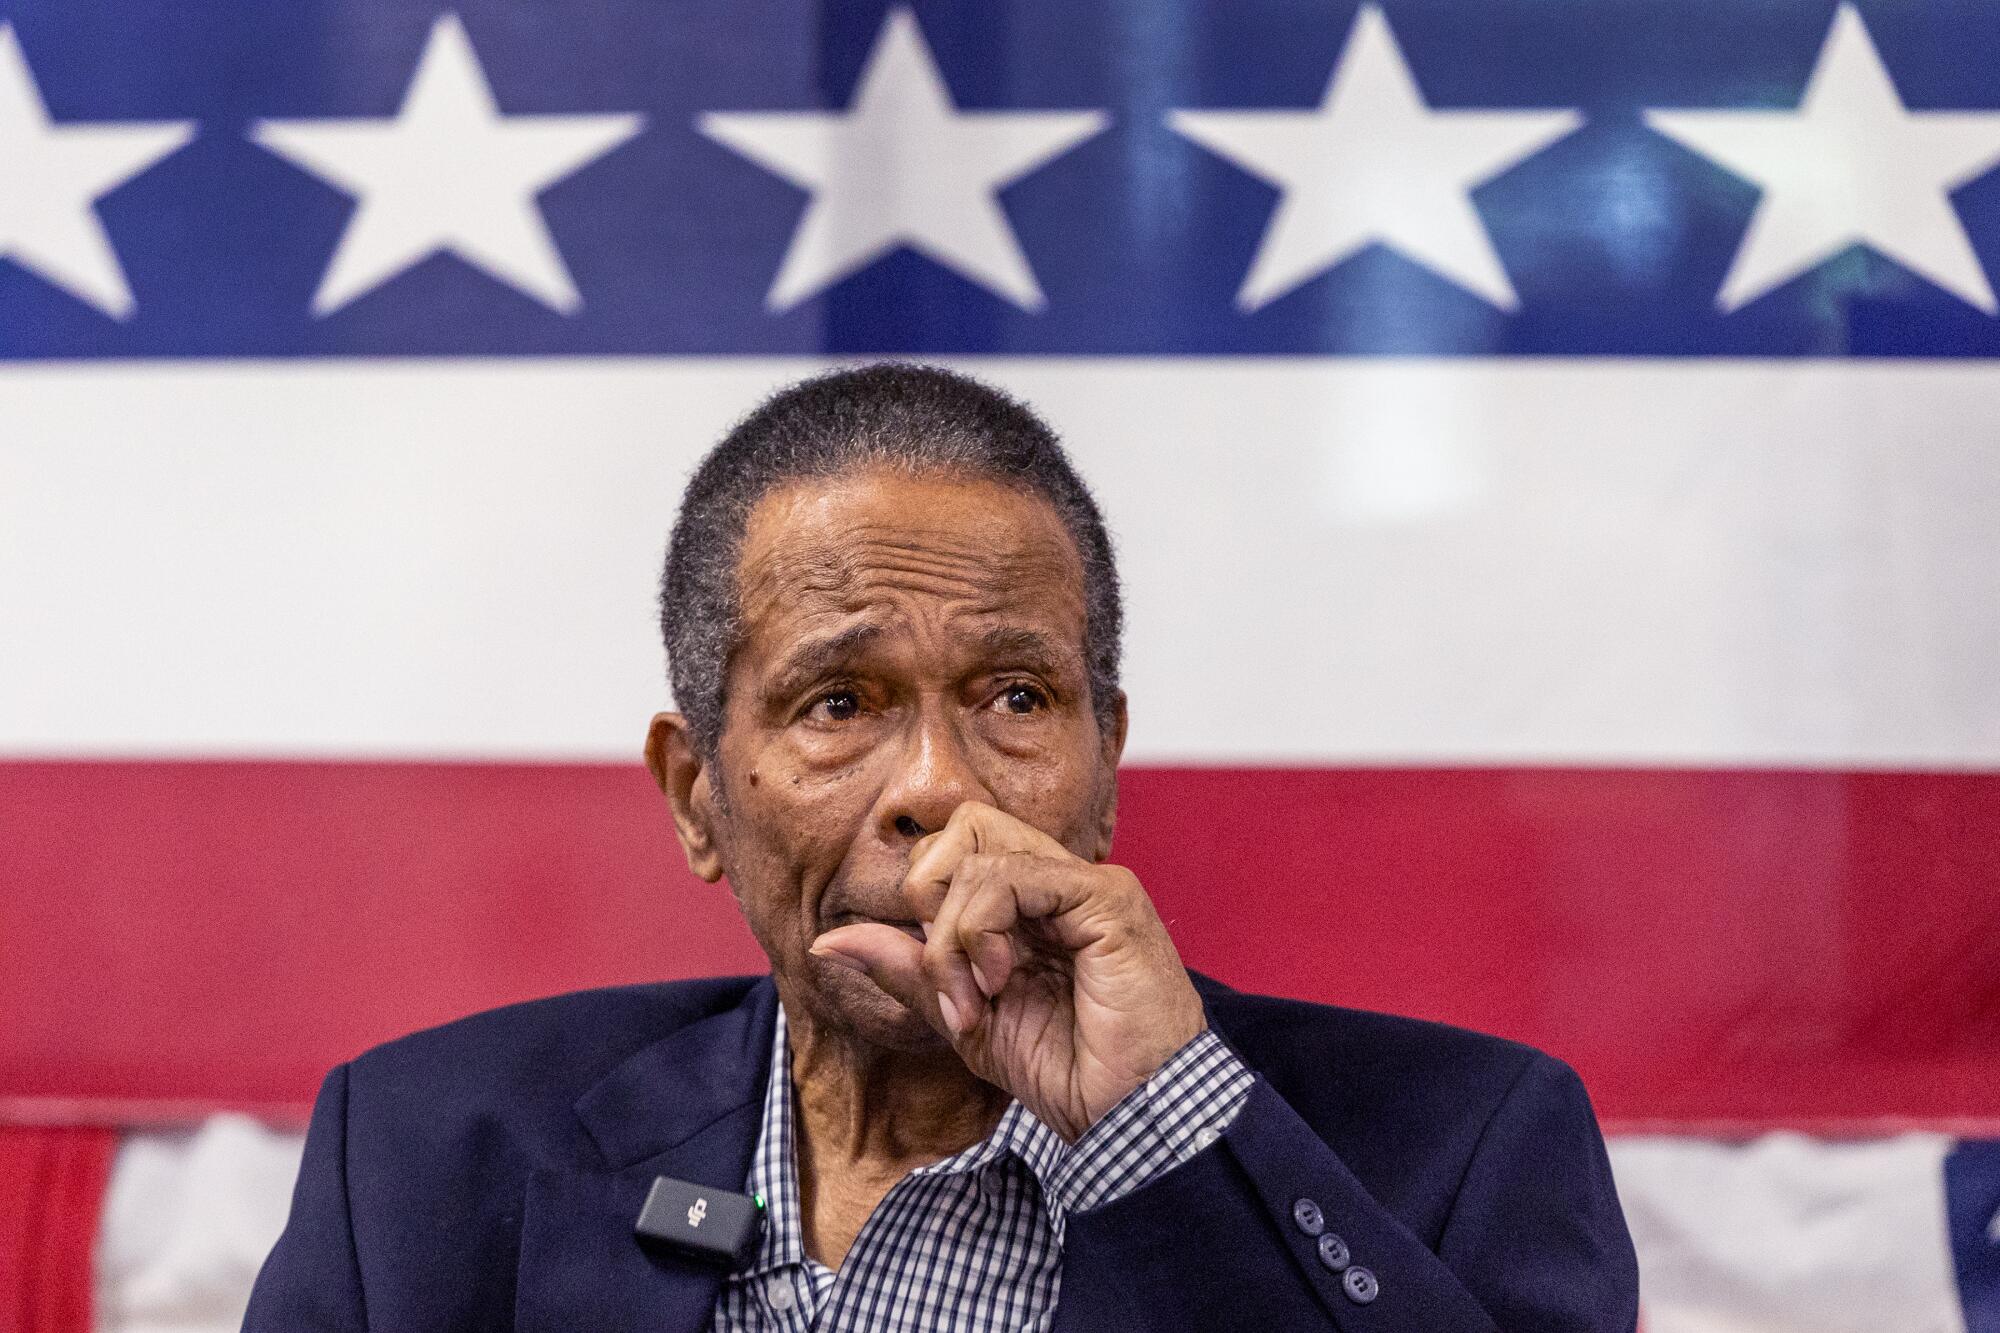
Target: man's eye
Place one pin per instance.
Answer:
(1022, 699)
(837, 706)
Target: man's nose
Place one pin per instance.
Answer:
(934, 777)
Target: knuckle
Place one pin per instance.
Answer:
(979, 870)
(1121, 881)
(1120, 889)
(979, 915)
(936, 965)
(927, 901)
(988, 825)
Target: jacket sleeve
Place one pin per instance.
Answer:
(1269, 1229)
(311, 1281)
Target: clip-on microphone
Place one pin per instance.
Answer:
(708, 1223)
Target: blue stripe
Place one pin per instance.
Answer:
(1615, 239)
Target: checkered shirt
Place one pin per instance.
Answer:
(971, 1244)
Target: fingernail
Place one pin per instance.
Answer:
(949, 1009)
(985, 986)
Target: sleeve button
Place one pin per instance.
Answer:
(1361, 1286)
(1308, 1216)
(1333, 1253)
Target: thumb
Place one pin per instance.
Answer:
(886, 956)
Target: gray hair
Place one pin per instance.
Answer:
(910, 417)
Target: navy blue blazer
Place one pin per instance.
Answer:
(486, 1175)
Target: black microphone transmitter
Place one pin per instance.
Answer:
(709, 1223)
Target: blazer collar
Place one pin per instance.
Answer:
(677, 1087)
(687, 1106)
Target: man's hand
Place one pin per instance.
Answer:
(1052, 976)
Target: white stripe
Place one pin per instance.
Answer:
(1788, 1234)
(188, 1218)
(1327, 561)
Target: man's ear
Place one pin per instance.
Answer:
(677, 766)
(1114, 749)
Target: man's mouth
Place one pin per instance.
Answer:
(914, 929)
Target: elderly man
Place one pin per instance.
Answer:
(979, 1090)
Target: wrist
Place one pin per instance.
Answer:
(1175, 1115)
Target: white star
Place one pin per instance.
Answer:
(1849, 166)
(902, 166)
(447, 172)
(1373, 164)
(54, 173)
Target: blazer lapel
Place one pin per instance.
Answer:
(687, 1106)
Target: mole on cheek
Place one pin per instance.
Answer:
(753, 777)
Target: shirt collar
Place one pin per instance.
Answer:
(774, 1164)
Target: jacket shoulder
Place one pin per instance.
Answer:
(1292, 1040)
(1405, 1102)
(534, 1058)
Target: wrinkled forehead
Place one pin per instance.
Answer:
(893, 544)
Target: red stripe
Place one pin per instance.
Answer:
(1711, 949)
(51, 1191)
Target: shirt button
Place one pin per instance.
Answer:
(1310, 1219)
(1333, 1253)
(1361, 1285)
(1204, 1136)
(778, 1291)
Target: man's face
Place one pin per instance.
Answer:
(909, 643)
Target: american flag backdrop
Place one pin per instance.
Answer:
(1553, 448)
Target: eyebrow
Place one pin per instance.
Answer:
(1028, 645)
(815, 657)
